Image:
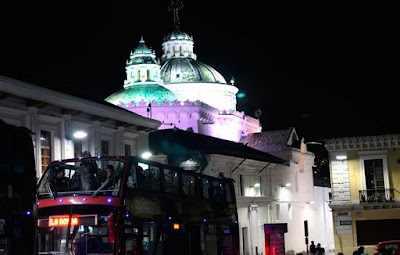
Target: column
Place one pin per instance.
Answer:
(67, 146)
(119, 142)
(30, 122)
(95, 139)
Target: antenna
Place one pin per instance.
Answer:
(175, 6)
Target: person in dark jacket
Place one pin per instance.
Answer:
(319, 250)
(59, 182)
(312, 248)
(359, 251)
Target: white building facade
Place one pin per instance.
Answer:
(55, 118)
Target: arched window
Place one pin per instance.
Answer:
(148, 74)
(139, 75)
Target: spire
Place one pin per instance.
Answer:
(141, 39)
(175, 6)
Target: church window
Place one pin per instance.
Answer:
(148, 74)
(180, 50)
(139, 75)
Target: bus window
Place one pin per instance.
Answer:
(205, 188)
(83, 177)
(217, 190)
(155, 178)
(132, 179)
(171, 181)
(228, 192)
(148, 177)
(188, 185)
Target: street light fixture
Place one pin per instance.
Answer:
(80, 134)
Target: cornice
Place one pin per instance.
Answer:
(363, 143)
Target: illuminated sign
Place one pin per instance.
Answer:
(176, 226)
(62, 221)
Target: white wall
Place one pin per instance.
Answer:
(277, 204)
(61, 121)
(319, 218)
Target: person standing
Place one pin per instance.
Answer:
(319, 250)
(359, 251)
(312, 248)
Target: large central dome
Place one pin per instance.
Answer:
(182, 70)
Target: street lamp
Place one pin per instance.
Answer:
(79, 134)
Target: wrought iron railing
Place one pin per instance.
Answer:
(376, 195)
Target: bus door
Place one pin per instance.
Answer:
(142, 237)
(195, 240)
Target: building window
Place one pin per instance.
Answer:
(77, 148)
(148, 74)
(104, 148)
(374, 174)
(45, 148)
(251, 185)
(128, 150)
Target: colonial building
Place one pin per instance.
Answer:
(365, 180)
(64, 125)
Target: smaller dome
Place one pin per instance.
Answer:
(147, 92)
(177, 35)
(142, 55)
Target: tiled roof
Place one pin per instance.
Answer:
(268, 138)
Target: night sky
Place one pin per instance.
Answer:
(325, 69)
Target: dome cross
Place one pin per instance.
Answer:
(175, 6)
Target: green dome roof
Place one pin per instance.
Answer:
(183, 70)
(177, 35)
(145, 92)
(142, 55)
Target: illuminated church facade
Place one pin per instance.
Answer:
(182, 92)
(186, 94)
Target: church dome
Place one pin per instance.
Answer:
(142, 55)
(145, 92)
(177, 35)
(183, 70)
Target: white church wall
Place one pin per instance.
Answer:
(201, 118)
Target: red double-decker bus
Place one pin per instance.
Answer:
(128, 205)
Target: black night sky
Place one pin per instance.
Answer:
(326, 69)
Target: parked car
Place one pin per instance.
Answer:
(388, 248)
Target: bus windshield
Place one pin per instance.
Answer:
(82, 177)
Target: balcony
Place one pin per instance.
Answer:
(376, 195)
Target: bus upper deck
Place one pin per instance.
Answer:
(129, 205)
